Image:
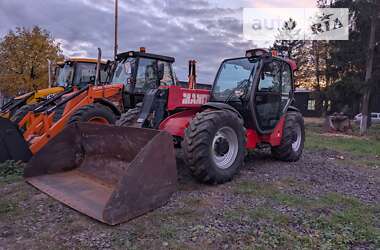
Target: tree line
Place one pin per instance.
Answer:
(343, 72)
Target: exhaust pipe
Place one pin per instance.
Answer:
(97, 75)
(49, 73)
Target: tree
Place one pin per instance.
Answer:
(23, 59)
(368, 73)
(292, 49)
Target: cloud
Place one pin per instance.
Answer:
(207, 31)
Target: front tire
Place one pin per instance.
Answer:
(293, 138)
(95, 112)
(214, 146)
(129, 118)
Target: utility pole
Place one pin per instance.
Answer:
(368, 76)
(116, 27)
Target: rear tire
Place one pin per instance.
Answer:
(95, 112)
(214, 146)
(293, 138)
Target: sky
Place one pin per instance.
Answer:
(205, 30)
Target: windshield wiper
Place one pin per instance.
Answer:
(242, 85)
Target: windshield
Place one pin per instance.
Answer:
(233, 73)
(64, 74)
(124, 71)
(84, 73)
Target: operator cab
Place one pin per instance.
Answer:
(140, 71)
(259, 86)
(78, 72)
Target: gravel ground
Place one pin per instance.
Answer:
(264, 206)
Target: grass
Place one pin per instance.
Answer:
(167, 232)
(10, 171)
(268, 191)
(355, 146)
(332, 221)
(363, 151)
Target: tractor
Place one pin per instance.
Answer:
(72, 72)
(114, 173)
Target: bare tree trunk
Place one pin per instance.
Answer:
(317, 70)
(368, 76)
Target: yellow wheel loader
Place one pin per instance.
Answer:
(72, 72)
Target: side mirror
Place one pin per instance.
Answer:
(161, 71)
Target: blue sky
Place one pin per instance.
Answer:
(207, 31)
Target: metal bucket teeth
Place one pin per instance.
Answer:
(112, 174)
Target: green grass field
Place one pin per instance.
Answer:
(364, 150)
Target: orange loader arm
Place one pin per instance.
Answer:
(41, 127)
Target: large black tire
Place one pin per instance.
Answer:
(91, 112)
(293, 138)
(21, 112)
(129, 118)
(205, 141)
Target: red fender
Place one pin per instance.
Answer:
(177, 123)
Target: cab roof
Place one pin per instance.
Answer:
(83, 60)
(125, 55)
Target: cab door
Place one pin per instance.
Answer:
(272, 95)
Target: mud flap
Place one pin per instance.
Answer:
(12, 143)
(110, 173)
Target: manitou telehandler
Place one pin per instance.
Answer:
(116, 173)
(72, 72)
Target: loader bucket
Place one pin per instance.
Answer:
(110, 173)
(12, 143)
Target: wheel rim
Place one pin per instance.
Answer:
(98, 119)
(224, 147)
(297, 138)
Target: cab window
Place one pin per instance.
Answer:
(286, 86)
(84, 72)
(270, 78)
(146, 77)
(167, 79)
